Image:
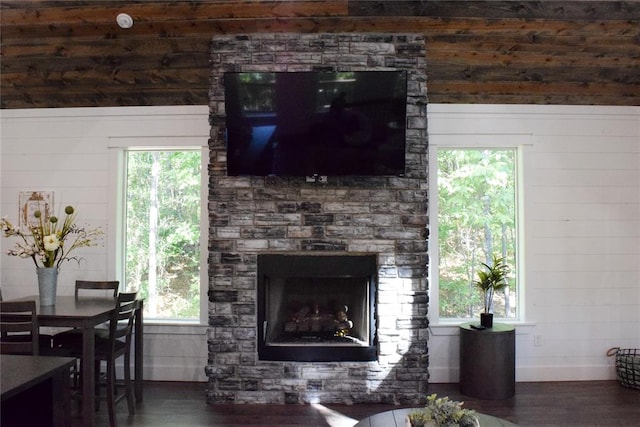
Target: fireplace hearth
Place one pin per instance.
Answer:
(317, 308)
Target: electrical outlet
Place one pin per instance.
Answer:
(537, 340)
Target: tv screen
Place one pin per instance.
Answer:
(315, 123)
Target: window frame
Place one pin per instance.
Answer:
(116, 236)
(517, 142)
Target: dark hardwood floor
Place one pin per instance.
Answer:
(583, 403)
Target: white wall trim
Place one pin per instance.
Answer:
(102, 112)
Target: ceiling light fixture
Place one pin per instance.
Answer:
(124, 20)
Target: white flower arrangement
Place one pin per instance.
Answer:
(50, 242)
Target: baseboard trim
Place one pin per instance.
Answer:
(178, 373)
(536, 373)
(189, 373)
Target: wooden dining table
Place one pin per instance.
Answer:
(29, 379)
(85, 313)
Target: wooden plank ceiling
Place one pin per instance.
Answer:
(72, 53)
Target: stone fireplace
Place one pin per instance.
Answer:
(279, 335)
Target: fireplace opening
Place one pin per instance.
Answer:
(317, 308)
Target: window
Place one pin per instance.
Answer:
(476, 218)
(162, 210)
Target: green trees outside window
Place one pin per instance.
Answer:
(162, 226)
(476, 220)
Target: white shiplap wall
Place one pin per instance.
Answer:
(582, 234)
(582, 221)
(74, 152)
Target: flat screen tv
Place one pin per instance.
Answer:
(315, 123)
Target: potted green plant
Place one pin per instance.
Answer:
(491, 279)
(442, 412)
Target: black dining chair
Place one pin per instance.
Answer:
(69, 342)
(72, 338)
(45, 341)
(110, 286)
(111, 344)
(19, 328)
(118, 344)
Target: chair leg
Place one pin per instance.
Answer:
(111, 379)
(75, 375)
(128, 384)
(96, 367)
(78, 385)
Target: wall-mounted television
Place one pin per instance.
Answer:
(315, 123)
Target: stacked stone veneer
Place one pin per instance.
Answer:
(386, 216)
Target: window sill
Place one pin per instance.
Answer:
(175, 329)
(453, 328)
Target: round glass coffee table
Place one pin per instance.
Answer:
(397, 418)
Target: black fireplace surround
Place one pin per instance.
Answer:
(317, 308)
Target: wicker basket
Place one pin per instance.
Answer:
(627, 366)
